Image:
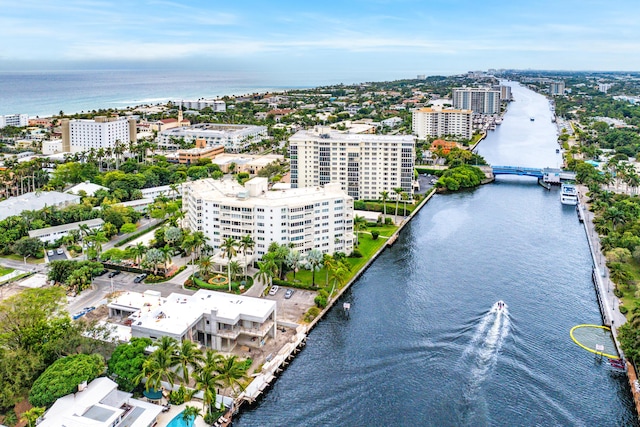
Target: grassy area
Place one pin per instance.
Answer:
(30, 260)
(629, 298)
(367, 248)
(5, 271)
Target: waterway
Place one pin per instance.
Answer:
(425, 344)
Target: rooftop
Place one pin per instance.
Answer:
(321, 133)
(34, 201)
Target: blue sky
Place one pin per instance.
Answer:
(379, 37)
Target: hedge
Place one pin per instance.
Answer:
(158, 279)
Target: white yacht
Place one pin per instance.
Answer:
(569, 194)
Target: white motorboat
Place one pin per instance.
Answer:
(569, 194)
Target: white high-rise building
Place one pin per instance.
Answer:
(17, 120)
(438, 122)
(365, 165)
(216, 105)
(102, 132)
(479, 100)
(305, 218)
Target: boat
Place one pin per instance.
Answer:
(557, 150)
(569, 194)
(501, 305)
(532, 118)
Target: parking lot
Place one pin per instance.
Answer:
(292, 309)
(56, 256)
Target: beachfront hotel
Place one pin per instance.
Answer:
(234, 138)
(478, 99)
(364, 165)
(439, 122)
(103, 132)
(304, 218)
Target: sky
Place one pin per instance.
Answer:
(386, 37)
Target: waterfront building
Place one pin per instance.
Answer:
(556, 88)
(429, 122)
(17, 120)
(216, 105)
(364, 165)
(302, 218)
(505, 93)
(478, 99)
(216, 320)
(51, 234)
(102, 132)
(234, 138)
(100, 404)
(35, 201)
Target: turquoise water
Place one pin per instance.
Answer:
(177, 421)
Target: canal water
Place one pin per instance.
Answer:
(427, 345)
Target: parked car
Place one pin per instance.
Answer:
(60, 251)
(89, 309)
(273, 290)
(140, 278)
(50, 252)
(114, 273)
(288, 294)
(101, 272)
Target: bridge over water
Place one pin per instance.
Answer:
(548, 175)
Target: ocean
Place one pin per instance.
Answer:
(44, 93)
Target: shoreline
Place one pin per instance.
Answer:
(279, 362)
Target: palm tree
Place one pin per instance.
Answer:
(187, 355)
(246, 243)
(138, 251)
(405, 197)
(205, 266)
(189, 415)
(154, 257)
(232, 372)
(314, 263)
(359, 222)
(294, 261)
(385, 196)
(157, 368)
(398, 192)
(208, 382)
(166, 256)
(266, 272)
(229, 249)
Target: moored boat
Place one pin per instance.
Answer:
(569, 194)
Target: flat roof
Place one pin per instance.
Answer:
(88, 187)
(329, 135)
(42, 231)
(34, 201)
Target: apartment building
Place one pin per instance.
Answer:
(234, 138)
(216, 105)
(364, 165)
(439, 122)
(479, 100)
(102, 132)
(305, 218)
(17, 120)
(556, 88)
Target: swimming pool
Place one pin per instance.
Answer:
(177, 421)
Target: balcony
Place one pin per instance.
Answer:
(238, 330)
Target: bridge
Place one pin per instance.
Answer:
(549, 175)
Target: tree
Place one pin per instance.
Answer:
(246, 243)
(189, 415)
(138, 251)
(32, 415)
(359, 222)
(187, 355)
(294, 261)
(266, 272)
(207, 381)
(153, 257)
(232, 372)
(314, 262)
(64, 376)
(159, 366)
(28, 247)
(126, 362)
(385, 196)
(128, 228)
(398, 192)
(229, 249)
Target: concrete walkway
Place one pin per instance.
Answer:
(611, 302)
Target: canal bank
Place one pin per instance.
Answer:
(278, 362)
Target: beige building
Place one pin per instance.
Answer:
(245, 162)
(201, 151)
(102, 132)
(364, 165)
(429, 122)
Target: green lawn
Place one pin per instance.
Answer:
(367, 248)
(4, 271)
(30, 260)
(629, 298)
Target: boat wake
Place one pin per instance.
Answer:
(480, 357)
